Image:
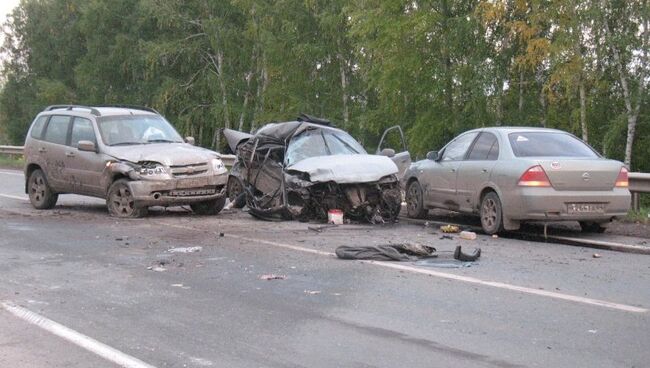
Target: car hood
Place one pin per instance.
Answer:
(345, 169)
(168, 154)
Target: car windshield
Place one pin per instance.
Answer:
(321, 142)
(549, 144)
(137, 129)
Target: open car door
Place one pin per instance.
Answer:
(393, 145)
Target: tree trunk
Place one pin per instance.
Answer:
(218, 70)
(521, 92)
(583, 111)
(542, 102)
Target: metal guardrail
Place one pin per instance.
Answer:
(11, 150)
(639, 183)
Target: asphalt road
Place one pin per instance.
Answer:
(114, 283)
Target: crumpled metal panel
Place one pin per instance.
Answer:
(346, 169)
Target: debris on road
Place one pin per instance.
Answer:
(468, 235)
(448, 237)
(449, 229)
(596, 255)
(495, 236)
(467, 257)
(312, 292)
(443, 263)
(185, 250)
(156, 268)
(273, 277)
(180, 286)
(387, 252)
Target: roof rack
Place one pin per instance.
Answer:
(314, 120)
(93, 110)
(134, 107)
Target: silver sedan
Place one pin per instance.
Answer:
(511, 175)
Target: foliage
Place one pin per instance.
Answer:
(435, 67)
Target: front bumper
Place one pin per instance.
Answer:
(178, 191)
(548, 204)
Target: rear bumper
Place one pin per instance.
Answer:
(548, 204)
(178, 191)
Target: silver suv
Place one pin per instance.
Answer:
(130, 156)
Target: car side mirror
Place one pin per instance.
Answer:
(432, 155)
(388, 152)
(87, 146)
(190, 140)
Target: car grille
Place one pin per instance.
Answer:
(191, 192)
(182, 171)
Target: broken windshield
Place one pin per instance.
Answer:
(321, 142)
(137, 129)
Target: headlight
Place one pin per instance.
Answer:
(217, 165)
(152, 169)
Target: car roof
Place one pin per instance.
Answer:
(99, 110)
(518, 129)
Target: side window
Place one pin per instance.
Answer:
(486, 147)
(456, 150)
(57, 129)
(82, 130)
(37, 127)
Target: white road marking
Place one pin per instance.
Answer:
(448, 276)
(81, 340)
(14, 173)
(14, 197)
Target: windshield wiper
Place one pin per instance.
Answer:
(125, 144)
(161, 140)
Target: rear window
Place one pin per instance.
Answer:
(37, 128)
(549, 144)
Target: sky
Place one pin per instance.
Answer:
(6, 6)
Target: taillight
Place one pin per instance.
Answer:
(622, 180)
(534, 177)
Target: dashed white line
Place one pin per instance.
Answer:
(79, 339)
(448, 276)
(14, 197)
(14, 173)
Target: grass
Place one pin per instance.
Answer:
(11, 162)
(640, 216)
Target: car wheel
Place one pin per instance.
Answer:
(234, 190)
(415, 201)
(491, 214)
(120, 201)
(211, 207)
(40, 194)
(592, 227)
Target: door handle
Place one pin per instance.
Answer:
(41, 150)
(69, 154)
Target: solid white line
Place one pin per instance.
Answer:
(449, 276)
(14, 197)
(15, 173)
(88, 343)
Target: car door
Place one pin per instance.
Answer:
(83, 169)
(393, 145)
(439, 177)
(474, 172)
(53, 149)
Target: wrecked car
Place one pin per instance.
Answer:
(130, 156)
(303, 169)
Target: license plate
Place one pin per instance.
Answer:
(576, 208)
(192, 183)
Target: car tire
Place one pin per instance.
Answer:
(415, 201)
(592, 227)
(207, 208)
(40, 194)
(491, 213)
(120, 201)
(234, 190)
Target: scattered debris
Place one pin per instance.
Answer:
(596, 255)
(221, 235)
(122, 238)
(592, 331)
(312, 292)
(449, 229)
(467, 257)
(185, 250)
(320, 228)
(468, 235)
(156, 268)
(443, 263)
(273, 277)
(387, 252)
(495, 236)
(448, 237)
(180, 286)
(335, 217)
